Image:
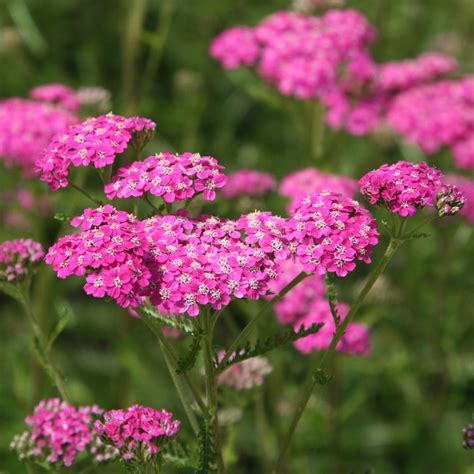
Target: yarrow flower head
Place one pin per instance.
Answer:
(403, 187)
(235, 47)
(178, 262)
(466, 185)
(57, 94)
(355, 340)
(437, 115)
(245, 375)
(138, 432)
(19, 259)
(59, 432)
(171, 176)
(300, 55)
(330, 233)
(250, 183)
(96, 141)
(26, 128)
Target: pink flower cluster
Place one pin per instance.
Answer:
(57, 94)
(329, 233)
(96, 141)
(180, 263)
(137, 432)
(404, 187)
(298, 301)
(355, 340)
(248, 183)
(437, 115)
(26, 128)
(310, 180)
(247, 374)
(306, 304)
(466, 186)
(19, 258)
(171, 176)
(235, 47)
(300, 55)
(59, 432)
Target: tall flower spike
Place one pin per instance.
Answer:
(58, 433)
(138, 432)
(330, 233)
(96, 141)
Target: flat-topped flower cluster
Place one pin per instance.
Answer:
(137, 432)
(26, 128)
(96, 141)
(59, 432)
(328, 58)
(18, 258)
(174, 177)
(182, 263)
(246, 182)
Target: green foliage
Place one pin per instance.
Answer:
(63, 319)
(332, 297)
(187, 362)
(206, 450)
(269, 344)
(171, 321)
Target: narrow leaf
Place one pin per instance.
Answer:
(61, 323)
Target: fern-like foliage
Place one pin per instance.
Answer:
(207, 452)
(175, 455)
(170, 321)
(188, 361)
(277, 340)
(332, 297)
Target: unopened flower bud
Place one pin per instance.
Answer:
(450, 200)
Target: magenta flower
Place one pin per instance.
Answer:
(355, 340)
(59, 432)
(96, 141)
(19, 259)
(248, 183)
(403, 187)
(26, 128)
(172, 177)
(57, 94)
(329, 233)
(234, 47)
(137, 432)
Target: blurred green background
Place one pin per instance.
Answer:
(402, 409)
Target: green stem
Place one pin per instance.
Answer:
(84, 193)
(180, 389)
(44, 352)
(250, 325)
(211, 387)
(172, 357)
(329, 353)
(147, 200)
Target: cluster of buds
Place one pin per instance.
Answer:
(19, 259)
(468, 433)
(450, 200)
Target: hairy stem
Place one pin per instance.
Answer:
(44, 353)
(211, 388)
(172, 358)
(329, 353)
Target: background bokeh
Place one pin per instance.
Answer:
(399, 410)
